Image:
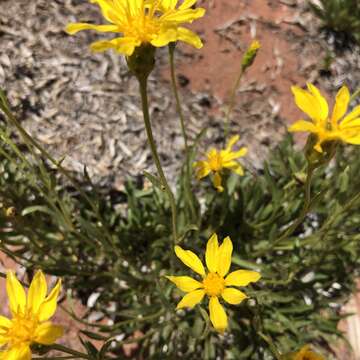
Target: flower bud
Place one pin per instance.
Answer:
(250, 55)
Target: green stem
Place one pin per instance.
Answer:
(183, 131)
(232, 102)
(271, 345)
(145, 108)
(355, 95)
(177, 98)
(67, 350)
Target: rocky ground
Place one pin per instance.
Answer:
(87, 107)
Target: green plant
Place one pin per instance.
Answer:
(341, 16)
(118, 246)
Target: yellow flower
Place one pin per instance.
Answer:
(217, 161)
(338, 127)
(306, 354)
(30, 315)
(143, 21)
(215, 283)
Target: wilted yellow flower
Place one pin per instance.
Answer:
(215, 283)
(338, 127)
(217, 161)
(141, 22)
(29, 323)
(306, 354)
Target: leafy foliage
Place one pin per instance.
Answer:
(341, 16)
(116, 244)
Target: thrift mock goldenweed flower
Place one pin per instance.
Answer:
(306, 353)
(30, 315)
(215, 283)
(338, 127)
(217, 161)
(155, 22)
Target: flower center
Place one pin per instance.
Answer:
(215, 161)
(22, 329)
(142, 28)
(213, 284)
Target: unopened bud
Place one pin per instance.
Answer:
(250, 55)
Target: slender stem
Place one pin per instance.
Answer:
(271, 345)
(145, 107)
(183, 131)
(67, 350)
(177, 98)
(355, 95)
(232, 102)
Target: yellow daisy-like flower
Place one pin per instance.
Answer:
(215, 283)
(338, 127)
(30, 315)
(217, 161)
(306, 354)
(155, 22)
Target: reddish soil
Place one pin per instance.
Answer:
(227, 30)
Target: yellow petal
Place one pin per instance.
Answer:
(166, 5)
(190, 259)
(37, 292)
(225, 253)
(47, 333)
(242, 278)
(109, 12)
(182, 16)
(48, 307)
(233, 155)
(187, 4)
(164, 37)
(341, 105)
(352, 138)
(318, 147)
(72, 29)
(211, 254)
(202, 169)
(16, 294)
(191, 299)
(353, 115)
(308, 103)
(233, 296)
(5, 324)
(125, 46)
(303, 125)
(217, 314)
(189, 37)
(17, 353)
(185, 283)
(235, 167)
(232, 141)
(217, 182)
(324, 107)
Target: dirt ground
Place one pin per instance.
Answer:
(87, 106)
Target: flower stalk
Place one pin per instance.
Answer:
(145, 108)
(180, 112)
